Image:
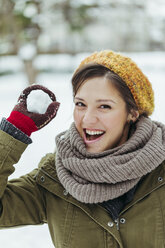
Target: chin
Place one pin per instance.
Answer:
(94, 150)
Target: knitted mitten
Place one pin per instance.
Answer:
(29, 122)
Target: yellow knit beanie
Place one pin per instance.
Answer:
(134, 78)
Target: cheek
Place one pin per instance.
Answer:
(114, 120)
(77, 117)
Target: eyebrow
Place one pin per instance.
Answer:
(99, 100)
(105, 100)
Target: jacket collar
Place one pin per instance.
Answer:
(147, 185)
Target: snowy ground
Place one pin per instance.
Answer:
(153, 64)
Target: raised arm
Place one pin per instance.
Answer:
(21, 201)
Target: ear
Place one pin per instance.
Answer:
(133, 115)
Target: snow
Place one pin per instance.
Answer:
(27, 51)
(153, 64)
(10, 63)
(60, 63)
(38, 101)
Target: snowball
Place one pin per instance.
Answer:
(38, 101)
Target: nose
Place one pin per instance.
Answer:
(89, 117)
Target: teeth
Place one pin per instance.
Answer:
(94, 132)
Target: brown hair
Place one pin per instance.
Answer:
(96, 70)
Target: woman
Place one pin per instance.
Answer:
(104, 186)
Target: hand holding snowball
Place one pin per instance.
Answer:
(36, 107)
(38, 101)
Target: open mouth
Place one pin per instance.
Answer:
(93, 135)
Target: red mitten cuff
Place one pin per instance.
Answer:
(22, 122)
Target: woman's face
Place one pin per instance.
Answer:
(100, 115)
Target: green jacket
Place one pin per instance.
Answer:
(39, 198)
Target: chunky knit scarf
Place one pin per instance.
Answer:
(94, 178)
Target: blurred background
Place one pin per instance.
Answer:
(32, 29)
(44, 41)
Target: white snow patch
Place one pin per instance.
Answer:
(10, 63)
(27, 52)
(38, 101)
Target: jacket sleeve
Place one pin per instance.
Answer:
(21, 201)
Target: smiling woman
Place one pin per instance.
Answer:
(104, 186)
(104, 108)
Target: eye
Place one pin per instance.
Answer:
(79, 104)
(104, 106)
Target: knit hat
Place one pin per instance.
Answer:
(127, 69)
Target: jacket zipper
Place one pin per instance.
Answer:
(117, 224)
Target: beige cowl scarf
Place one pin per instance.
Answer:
(94, 178)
